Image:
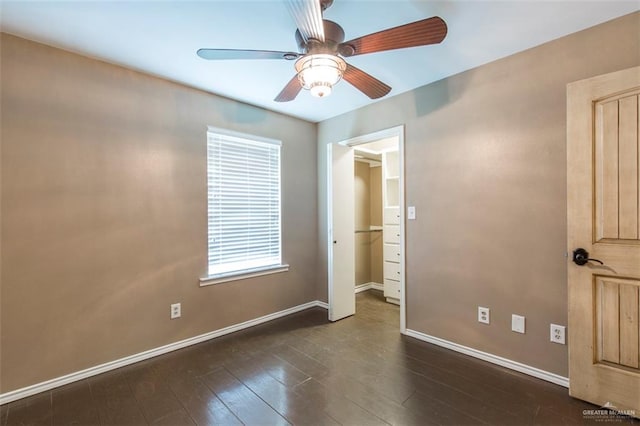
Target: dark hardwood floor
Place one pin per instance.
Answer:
(304, 370)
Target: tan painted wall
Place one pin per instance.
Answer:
(104, 213)
(362, 209)
(375, 195)
(368, 211)
(485, 167)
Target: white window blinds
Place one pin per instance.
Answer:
(243, 202)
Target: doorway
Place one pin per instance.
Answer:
(389, 146)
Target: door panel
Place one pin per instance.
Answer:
(628, 171)
(616, 165)
(628, 317)
(602, 205)
(342, 299)
(616, 328)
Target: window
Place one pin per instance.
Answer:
(243, 189)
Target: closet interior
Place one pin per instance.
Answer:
(377, 218)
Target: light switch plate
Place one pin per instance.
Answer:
(517, 323)
(411, 213)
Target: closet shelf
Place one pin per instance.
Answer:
(359, 231)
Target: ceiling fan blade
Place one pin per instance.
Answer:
(420, 33)
(290, 91)
(308, 17)
(216, 54)
(366, 83)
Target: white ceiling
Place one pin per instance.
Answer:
(161, 38)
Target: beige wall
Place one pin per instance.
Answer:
(485, 167)
(368, 212)
(362, 209)
(103, 213)
(375, 195)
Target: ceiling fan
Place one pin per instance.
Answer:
(320, 63)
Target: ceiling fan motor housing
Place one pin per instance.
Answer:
(333, 36)
(321, 67)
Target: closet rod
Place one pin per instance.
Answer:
(359, 231)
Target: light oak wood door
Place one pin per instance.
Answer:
(603, 203)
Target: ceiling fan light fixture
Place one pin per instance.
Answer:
(318, 73)
(320, 89)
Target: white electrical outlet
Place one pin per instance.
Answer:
(558, 334)
(176, 310)
(517, 323)
(483, 315)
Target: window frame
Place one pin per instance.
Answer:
(210, 279)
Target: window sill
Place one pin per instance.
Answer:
(235, 276)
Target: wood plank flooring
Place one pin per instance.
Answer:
(304, 370)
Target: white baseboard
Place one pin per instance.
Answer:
(368, 286)
(494, 359)
(363, 287)
(112, 365)
(320, 304)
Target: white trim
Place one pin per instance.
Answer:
(368, 286)
(235, 276)
(362, 287)
(370, 137)
(246, 137)
(494, 359)
(403, 236)
(377, 286)
(323, 305)
(112, 365)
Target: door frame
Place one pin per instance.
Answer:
(397, 132)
